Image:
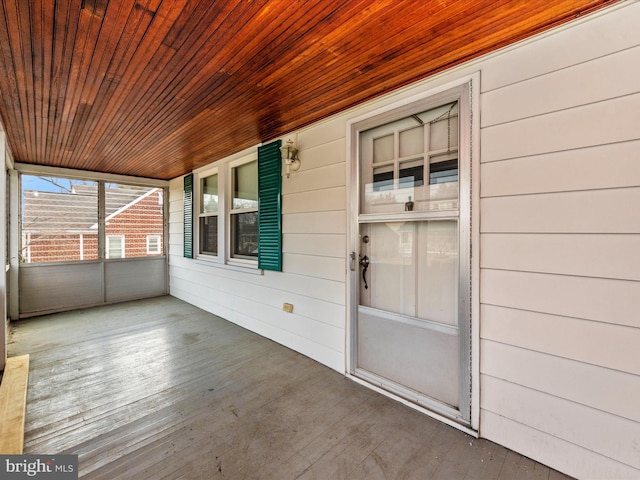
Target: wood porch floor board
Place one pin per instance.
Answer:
(158, 388)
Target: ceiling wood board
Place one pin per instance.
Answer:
(156, 88)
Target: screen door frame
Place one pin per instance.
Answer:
(466, 89)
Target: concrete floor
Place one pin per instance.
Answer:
(157, 389)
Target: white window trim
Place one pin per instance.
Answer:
(199, 214)
(224, 258)
(109, 237)
(158, 250)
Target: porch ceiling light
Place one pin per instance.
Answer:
(289, 153)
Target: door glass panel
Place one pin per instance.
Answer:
(412, 141)
(411, 174)
(413, 163)
(412, 269)
(437, 281)
(383, 149)
(382, 178)
(444, 172)
(444, 132)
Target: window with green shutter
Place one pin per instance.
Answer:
(270, 207)
(237, 210)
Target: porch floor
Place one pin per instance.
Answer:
(158, 389)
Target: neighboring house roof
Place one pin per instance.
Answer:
(75, 212)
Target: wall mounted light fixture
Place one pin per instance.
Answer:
(289, 153)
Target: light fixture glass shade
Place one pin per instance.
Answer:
(289, 151)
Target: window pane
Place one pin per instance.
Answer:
(245, 186)
(153, 244)
(245, 234)
(443, 172)
(209, 194)
(59, 219)
(209, 235)
(383, 178)
(134, 213)
(115, 247)
(383, 149)
(406, 182)
(411, 174)
(413, 269)
(444, 130)
(412, 141)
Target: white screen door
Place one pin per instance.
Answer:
(410, 328)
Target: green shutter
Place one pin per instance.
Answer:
(269, 207)
(188, 216)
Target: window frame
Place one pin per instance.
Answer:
(122, 246)
(225, 257)
(159, 244)
(102, 182)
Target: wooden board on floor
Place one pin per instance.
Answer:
(13, 399)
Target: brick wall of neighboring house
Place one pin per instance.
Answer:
(135, 223)
(61, 248)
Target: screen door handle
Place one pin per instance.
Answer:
(364, 263)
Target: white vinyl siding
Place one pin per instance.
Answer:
(559, 235)
(560, 281)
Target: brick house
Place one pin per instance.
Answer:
(61, 226)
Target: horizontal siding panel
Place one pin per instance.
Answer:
(315, 222)
(176, 207)
(597, 37)
(326, 290)
(319, 332)
(322, 132)
(176, 229)
(316, 179)
(596, 387)
(608, 435)
(602, 344)
(596, 211)
(331, 358)
(553, 451)
(603, 300)
(601, 79)
(311, 308)
(600, 123)
(315, 244)
(321, 267)
(606, 255)
(604, 166)
(323, 200)
(323, 155)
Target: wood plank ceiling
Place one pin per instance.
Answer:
(156, 88)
